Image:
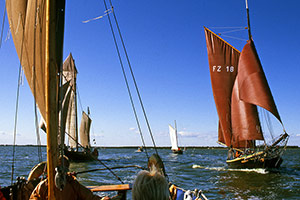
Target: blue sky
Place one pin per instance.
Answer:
(166, 45)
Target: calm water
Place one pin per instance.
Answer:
(204, 169)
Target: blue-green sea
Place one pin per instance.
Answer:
(201, 168)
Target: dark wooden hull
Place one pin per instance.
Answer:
(256, 160)
(177, 151)
(79, 156)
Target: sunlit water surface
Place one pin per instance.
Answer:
(204, 169)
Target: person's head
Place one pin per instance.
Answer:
(149, 186)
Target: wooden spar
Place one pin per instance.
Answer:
(221, 143)
(248, 21)
(107, 188)
(51, 97)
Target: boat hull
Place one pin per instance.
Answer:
(255, 161)
(79, 156)
(177, 151)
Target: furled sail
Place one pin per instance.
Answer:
(223, 63)
(69, 74)
(85, 130)
(173, 137)
(253, 85)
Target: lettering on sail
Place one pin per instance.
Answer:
(220, 68)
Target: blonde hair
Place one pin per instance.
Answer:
(150, 185)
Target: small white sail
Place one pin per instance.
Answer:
(173, 137)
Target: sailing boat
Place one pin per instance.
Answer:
(37, 28)
(239, 86)
(78, 150)
(174, 140)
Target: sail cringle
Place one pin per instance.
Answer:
(253, 85)
(223, 63)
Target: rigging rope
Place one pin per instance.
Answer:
(100, 161)
(117, 167)
(15, 124)
(2, 29)
(236, 38)
(235, 29)
(38, 134)
(34, 86)
(16, 111)
(133, 77)
(126, 81)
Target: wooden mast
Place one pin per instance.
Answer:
(248, 20)
(51, 97)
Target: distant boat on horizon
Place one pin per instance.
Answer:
(174, 140)
(79, 148)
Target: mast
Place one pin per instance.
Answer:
(76, 113)
(248, 21)
(176, 134)
(51, 101)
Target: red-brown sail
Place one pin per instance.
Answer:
(245, 122)
(253, 85)
(223, 62)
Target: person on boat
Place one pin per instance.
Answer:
(237, 154)
(95, 153)
(72, 190)
(230, 153)
(150, 185)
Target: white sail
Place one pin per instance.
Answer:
(71, 123)
(69, 74)
(173, 137)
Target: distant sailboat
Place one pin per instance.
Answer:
(239, 86)
(174, 140)
(78, 150)
(139, 149)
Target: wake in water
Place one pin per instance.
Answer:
(257, 170)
